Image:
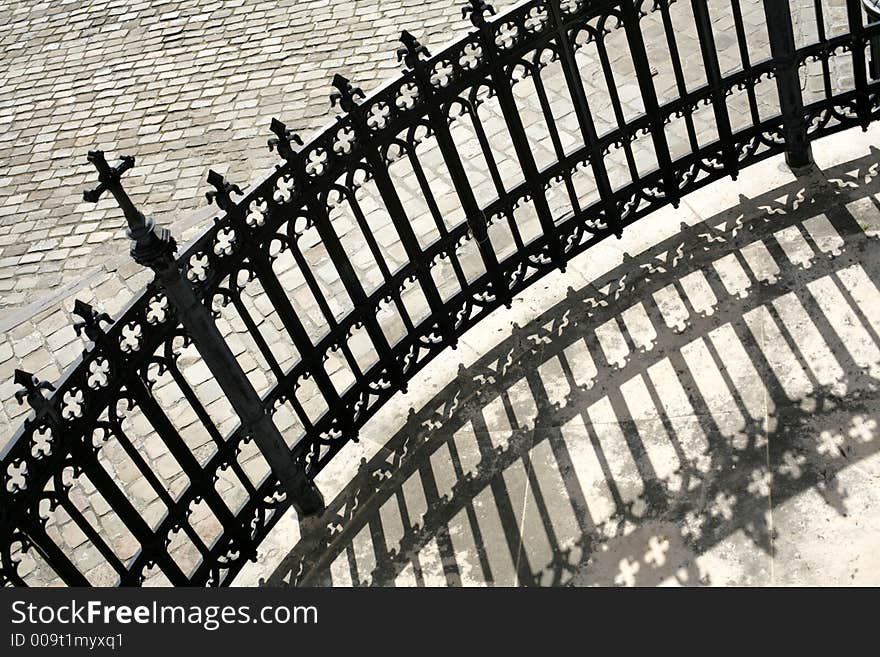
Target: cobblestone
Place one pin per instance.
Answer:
(183, 85)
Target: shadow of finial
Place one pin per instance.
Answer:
(283, 140)
(477, 10)
(347, 95)
(223, 190)
(92, 320)
(412, 52)
(32, 390)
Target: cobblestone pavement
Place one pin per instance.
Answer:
(185, 86)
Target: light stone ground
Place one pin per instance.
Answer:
(183, 86)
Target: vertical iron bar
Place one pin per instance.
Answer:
(54, 555)
(434, 209)
(296, 330)
(151, 478)
(255, 333)
(745, 58)
(318, 296)
(318, 210)
(387, 191)
(872, 9)
(678, 71)
(822, 37)
(553, 131)
(781, 31)
(860, 73)
(485, 146)
(474, 216)
(185, 458)
(98, 538)
(714, 78)
(120, 503)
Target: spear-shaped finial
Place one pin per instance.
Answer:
(152, 245)
(223, 189)
(477, 11)
(347, 95)
(412, 51)
(92, 320)
(32, 390)
(283, 140)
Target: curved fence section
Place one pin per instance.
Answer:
(206, 409)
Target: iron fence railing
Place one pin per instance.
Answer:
(290, 214)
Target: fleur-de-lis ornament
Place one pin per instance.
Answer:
(32, 390)
(412, 52)
(347, 97)
(283, 140)
(477, 10)
(221, 195)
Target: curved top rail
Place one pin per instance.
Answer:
(490, 163)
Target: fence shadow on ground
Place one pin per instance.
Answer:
(674, 403)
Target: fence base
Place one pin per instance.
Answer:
(310, 502)
(799, 158)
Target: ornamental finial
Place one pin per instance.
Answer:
(109, 178)
(152, 245)
(412, 52)
(223, 189)
(477, 11)
(283, 140)
(347, 95)
(92, 320)
(32, 390)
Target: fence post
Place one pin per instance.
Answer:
(872, 9)
(154, 247)
(781, 31)
(856, 21)
(709, 54)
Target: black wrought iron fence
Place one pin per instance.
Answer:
(498, 220)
